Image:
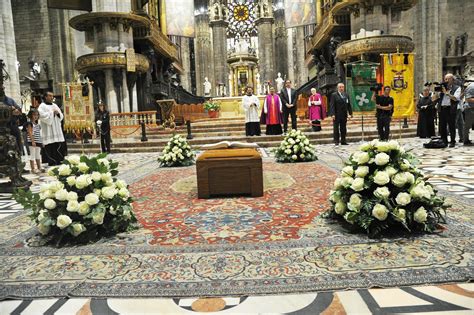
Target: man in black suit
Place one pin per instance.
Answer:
(339, 107)
(288, 98)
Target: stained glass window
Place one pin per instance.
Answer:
(241, 19)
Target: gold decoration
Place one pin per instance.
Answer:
(100, 61)
(78, 109)
(374, 45)
(167, 114)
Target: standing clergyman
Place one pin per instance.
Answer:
(251, 106)
(51, 132)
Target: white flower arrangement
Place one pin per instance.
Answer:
(295, 147)
(380, 188)
(177, 152)
(74, 208)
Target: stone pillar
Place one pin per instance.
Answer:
(186, 62)
(134, 98)
(429, 46)
(125, 94)
(266, 58)
(203, 53)
(291, 56)
(281, 44)
(8, 51)
(110, 93)
(219, 40)
(301, 73)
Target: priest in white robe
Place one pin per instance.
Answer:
(251, 105)
(51, 131)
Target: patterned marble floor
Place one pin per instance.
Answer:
(450, 169)
(447, 299)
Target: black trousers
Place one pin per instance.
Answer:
(287, 112)
(54, 153)
(447, 121)
(383, 127)
(340, 125)
(105, 141)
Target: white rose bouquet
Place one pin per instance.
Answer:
(381, 189)
(177, 152)
(84, 203)
(295, 147)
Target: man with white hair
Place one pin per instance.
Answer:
(339, 109)
(448, 100)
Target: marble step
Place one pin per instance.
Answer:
(264, 141)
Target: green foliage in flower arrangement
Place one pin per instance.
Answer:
(177, 152)
(295, 147)
(85, 203)
(212, 106)
(381, 190)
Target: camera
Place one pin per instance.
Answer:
(438, 87)
(377, 87)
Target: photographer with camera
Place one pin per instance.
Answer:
(384, 105)
(447, 99)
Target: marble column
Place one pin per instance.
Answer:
(125, 93)
(110, 93)
(266, 59)
(134, 98)
(203, 52)
(219, 40)
(8, 51)
(281, 44)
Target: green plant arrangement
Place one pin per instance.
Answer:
(85, 203)
(295, 147)
(212, 106)
(381, 190)
(177, 152)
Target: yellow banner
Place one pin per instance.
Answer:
(398, 74)
(78, 109)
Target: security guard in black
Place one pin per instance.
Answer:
(384, 105)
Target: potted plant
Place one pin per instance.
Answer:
(212, 108)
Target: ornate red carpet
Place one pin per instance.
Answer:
(168, 206)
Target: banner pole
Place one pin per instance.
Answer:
(362, 126)
(400, 129)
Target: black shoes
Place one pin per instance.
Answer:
(452, 145)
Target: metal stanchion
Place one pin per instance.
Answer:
(188, 127)
(144, 138)
(405, 122)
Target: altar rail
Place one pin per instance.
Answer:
(132, 119)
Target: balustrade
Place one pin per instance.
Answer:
(132, 119)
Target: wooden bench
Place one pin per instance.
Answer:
(229, 172)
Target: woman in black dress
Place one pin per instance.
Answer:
(102, 119)
(426, 115)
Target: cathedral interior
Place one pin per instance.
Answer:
(159, 67)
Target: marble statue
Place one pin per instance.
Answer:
(279, 82)
(207, 87)
(449, 44)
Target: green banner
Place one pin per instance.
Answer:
(363, 76)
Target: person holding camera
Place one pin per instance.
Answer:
(339, 108)
(447, 100)
(251, 105)
(384, 106)
(426, 115)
